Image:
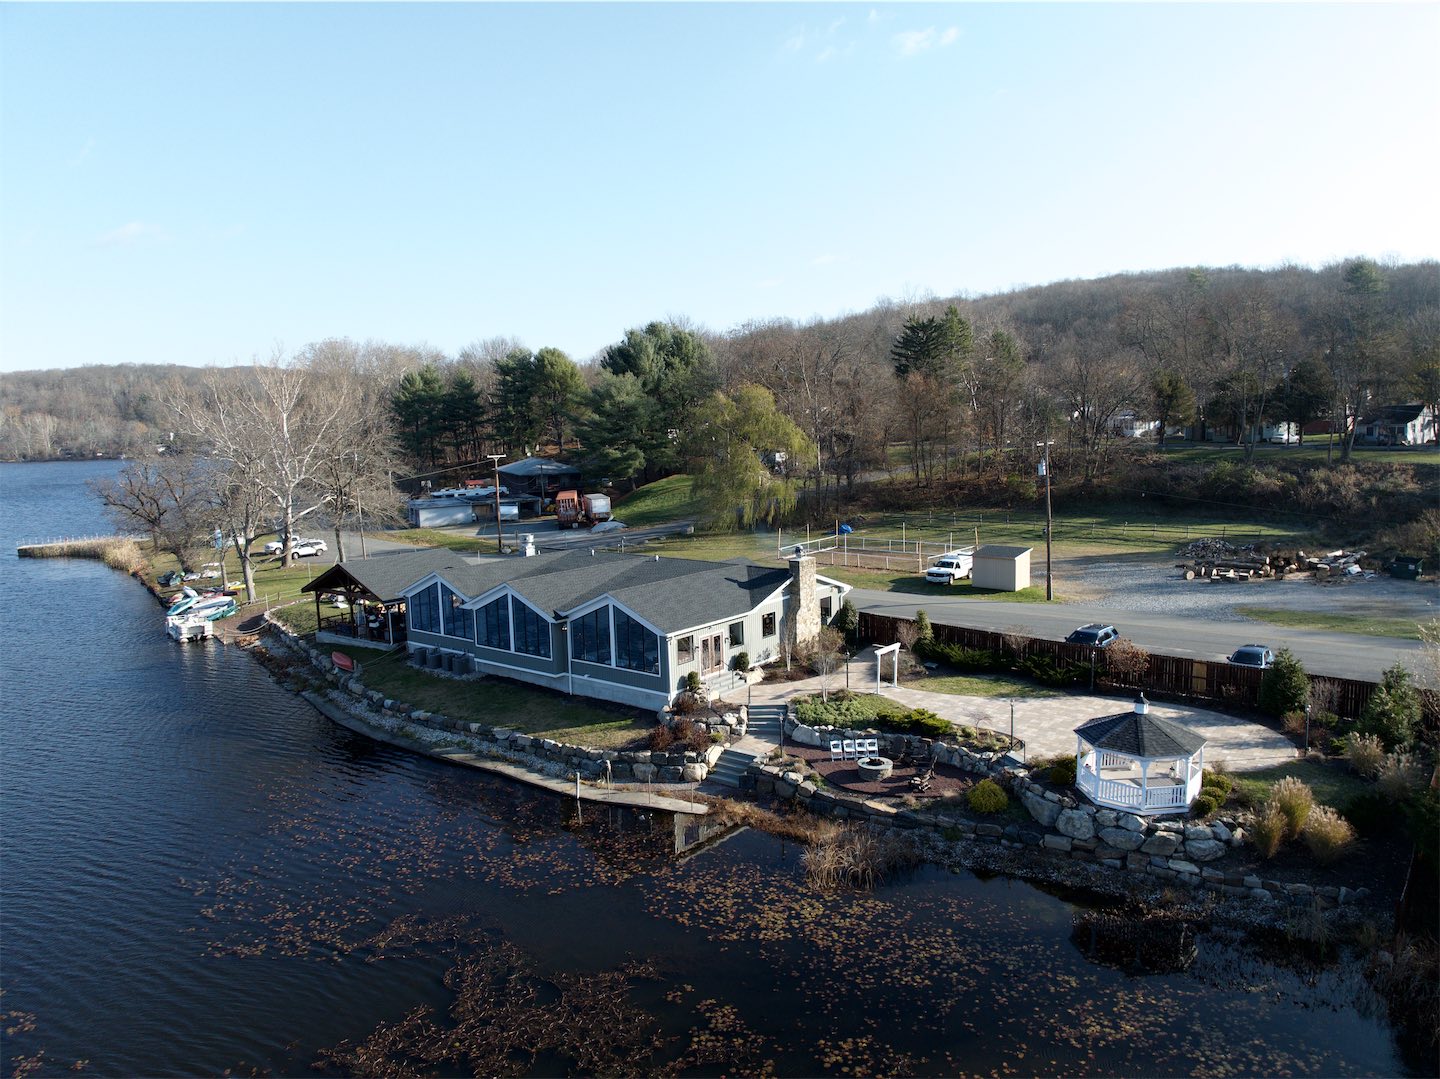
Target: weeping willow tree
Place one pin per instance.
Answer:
(746, 457)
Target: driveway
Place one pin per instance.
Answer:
(1047, 724)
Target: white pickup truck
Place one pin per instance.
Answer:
(952, 566)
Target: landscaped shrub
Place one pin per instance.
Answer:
(1393, 711)
(1327, 834)
(693, 683)
(1365, 754)
(1049, 672)
(923, 721)
(1267, 831)
(925, 632)
(987, 797)
(1399, 775)
(1284, 687)
(686, 704)
(1205, 804)
(960, 657)
(1217, 779)
(1219, 795)
(1062, 772)
(1293, 723)
(1295, 800)
(742, 661)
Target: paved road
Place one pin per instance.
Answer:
(1345, 655)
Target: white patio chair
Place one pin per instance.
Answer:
(849, 748)
(836, 750)
(871, 748)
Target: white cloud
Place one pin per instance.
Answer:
(914, 42)
(129, 233)
(795, 42)
(834, 26)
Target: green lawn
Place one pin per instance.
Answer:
(1342, 623)
(434, 537)
(528, 709)
(983, 685)
(1333, 784)
(670, 499)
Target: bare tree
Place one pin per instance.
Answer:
(827, 657)
(166, 497)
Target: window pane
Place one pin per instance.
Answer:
(737, 634)
(424, 612)
(590, 637)
(636, 648)
(767, 625)
(457, 621)
(532, 632)
(493, 627)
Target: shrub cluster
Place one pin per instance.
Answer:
(1296, 801)
(960, 657)
(1327, 834)
(1399, 775)
(987, 796)
(682, 734)
(1291, 813)
(1365, 754)
(1062, 772)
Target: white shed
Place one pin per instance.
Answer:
(1001, 569)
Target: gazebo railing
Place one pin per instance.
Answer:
(1128, 793)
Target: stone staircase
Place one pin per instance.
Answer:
(764, 722)
(762, 732)
(722, 682)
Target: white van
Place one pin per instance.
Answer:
(951, 567)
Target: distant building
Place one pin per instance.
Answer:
(539, 476)
(1398, 425)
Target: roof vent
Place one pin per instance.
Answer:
(657, 558)
(592, 552)
(1142, 706)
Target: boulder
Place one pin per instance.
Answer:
(1075, 824)
(712, 755)
(1163, 844)
(1198, 831)
(1220, 832)
(1121, 838)
(992, 830)
(1106, 818)
(1130, 822)
(694, 773)
(1044, 812)
(1182, 866)
(1056, 842)
(784, 789)
(1204, 850)
(671, 773)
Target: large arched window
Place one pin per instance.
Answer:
(492, 624)
(590, 636)
(532, 632)
(636, 648)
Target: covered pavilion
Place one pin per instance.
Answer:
(1139, 763)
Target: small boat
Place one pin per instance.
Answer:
(188, 627)
(213, 608)
(183, 601)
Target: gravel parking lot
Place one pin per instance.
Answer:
(1155, 585)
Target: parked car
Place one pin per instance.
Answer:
(1094, 634)
(952, 566)
(278, 546)
(1253, 655)
(308, 548)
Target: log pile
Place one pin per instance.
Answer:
(1216, 560)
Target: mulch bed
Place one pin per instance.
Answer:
(845, 776)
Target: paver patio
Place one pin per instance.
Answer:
(1047, 724)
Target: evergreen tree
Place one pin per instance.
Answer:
(1172, 401)
(418, 405)
(1284, 687)
(557, 387)
(728, 441)
(610, 433)
(518, 421)
(1392, 713)
(677, 373)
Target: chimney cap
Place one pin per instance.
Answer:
(1142, 706)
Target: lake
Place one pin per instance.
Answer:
(200, 873)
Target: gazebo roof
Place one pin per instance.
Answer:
(1139, 734)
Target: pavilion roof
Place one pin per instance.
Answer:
(1141, 735)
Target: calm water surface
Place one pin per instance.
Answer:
(201, 873)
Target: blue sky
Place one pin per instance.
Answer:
(197, 184)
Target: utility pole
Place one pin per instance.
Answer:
(1049, 524)
(495, 459)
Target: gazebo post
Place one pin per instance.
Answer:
(317, 611)
(1144, 782)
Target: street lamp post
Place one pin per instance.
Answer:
(1049, 524)
(495, 459)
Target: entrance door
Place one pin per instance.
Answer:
(711, 654)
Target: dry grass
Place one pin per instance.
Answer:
(1268, 830)
(1365, 754)
(1295, 800)
(798, 826)
(1327, 834)
(855, 857)
(1400, 774)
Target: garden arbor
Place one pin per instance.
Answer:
(1138, 762)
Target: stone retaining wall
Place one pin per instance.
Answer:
(1168, 849)
(551, 757)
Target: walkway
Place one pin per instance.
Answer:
(1047, 724)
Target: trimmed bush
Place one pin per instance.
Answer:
(1327, 834)
(1293, 723)
(1219, 795)
(958, 656)
(1048, 672)
(1295, 800)
(742, 661)
(925, 631)
(1062, 772)
(692, 682)
(1206, 803)
(1267, 831)
(987, 797)
(1365, 754)
(1219, 780)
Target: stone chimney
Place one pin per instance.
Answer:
(805, 603)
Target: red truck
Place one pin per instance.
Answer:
(572, 509)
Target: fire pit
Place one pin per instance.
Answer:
(875, 768)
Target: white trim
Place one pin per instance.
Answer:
(488, 596)
(589, 605)
(845, 589)
(429, 579)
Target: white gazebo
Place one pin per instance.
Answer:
(1138, 762)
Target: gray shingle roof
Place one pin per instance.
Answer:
(538, 466)
(386, 576)
(1140, 736)
(671, 594)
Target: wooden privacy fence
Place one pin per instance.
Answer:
(1169, 676)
